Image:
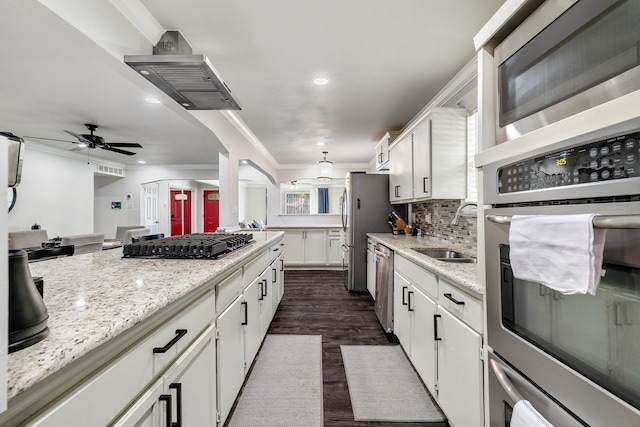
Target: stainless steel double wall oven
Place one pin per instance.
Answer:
(576, 358)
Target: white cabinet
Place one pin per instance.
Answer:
(314, 247)
(231, 356)
(439, 326)
(306, 247)
(422, 310)
(382, 150)
(430, 162)
(186, 393)
(401, 170)
(459, 371)
(252, 319)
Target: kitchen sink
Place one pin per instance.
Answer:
(442, 254)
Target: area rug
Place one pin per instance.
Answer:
(285, 385)
(383, 386)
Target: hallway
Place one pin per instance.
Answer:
(316, 302)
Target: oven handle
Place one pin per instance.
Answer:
(599, 221)
(503, 379)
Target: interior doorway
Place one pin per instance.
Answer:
(180, 212)
(211, 210)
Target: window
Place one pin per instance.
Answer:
(296, 203)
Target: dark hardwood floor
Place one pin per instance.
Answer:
(317, 303)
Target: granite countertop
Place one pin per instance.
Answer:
(94, 297)
(463, 274)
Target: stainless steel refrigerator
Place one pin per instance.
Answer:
(365, 209)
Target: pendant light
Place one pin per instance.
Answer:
(325, 168)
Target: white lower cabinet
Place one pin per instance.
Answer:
(314, 247)
(439, 328)
(459, 371)
(186, 393)
(423, 344)
(231, 356)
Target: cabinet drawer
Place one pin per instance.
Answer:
(421, 278)
(105, 394)
(255, 267)
(228, 290)
(335, 232)
(276, 250)
(461, 305)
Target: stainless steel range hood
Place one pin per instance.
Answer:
(189, 79)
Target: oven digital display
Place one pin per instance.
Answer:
(613, 158)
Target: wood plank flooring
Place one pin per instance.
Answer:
(316, 302)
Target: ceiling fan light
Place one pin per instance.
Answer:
(82, 145)
(325, 169)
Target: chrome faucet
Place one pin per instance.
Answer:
(456, 219)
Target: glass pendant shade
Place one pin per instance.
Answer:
(325, 169)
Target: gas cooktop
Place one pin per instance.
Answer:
(189, 246)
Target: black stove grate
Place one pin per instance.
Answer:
(189, 246)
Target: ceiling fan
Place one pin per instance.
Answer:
(95, 141)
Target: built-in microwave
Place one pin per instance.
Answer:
(566, 57)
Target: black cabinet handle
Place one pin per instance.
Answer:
(404, 298)
(455, 301)
(424, 185)
(166, 398)
(435, 327)
(358, 202)
(246, 313)
(179, 334)
(409, 300)
(275, 275)
(266, 287)
(282, 265)
(178, 388)
(396, 191)
(261, 297)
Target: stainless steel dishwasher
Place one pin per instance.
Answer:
(384, 287)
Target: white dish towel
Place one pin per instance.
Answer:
(525, 415)
(563, 252)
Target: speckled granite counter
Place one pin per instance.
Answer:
(465, 275)
(93, 298)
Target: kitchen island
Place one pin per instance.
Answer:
(100, 304)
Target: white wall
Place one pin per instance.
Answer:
(56, 192)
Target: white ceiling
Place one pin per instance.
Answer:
(385, 61)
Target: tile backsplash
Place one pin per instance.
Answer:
(442, 213)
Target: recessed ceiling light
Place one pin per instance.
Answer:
(244, 162)
(142, 162)
(151, 100)
(320, 81)
(321, 143)
(145, 72)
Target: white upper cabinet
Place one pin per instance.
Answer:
(382, 150)
(430, 162)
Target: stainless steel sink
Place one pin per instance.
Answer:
(443, 254)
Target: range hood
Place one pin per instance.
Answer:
(189, 79)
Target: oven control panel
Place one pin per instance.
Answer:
(613, 158)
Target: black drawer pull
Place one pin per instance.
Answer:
(246, 313)
(166, 398)
(455, 301)
(435, 327)
(404, 295)
(179, 334)
(178, 388)
(409, 300)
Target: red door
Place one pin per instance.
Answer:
(180, 212)
(211, 210)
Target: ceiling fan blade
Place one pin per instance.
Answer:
(124, 144)
(47, 139)
(117, 150)
(80, 137)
